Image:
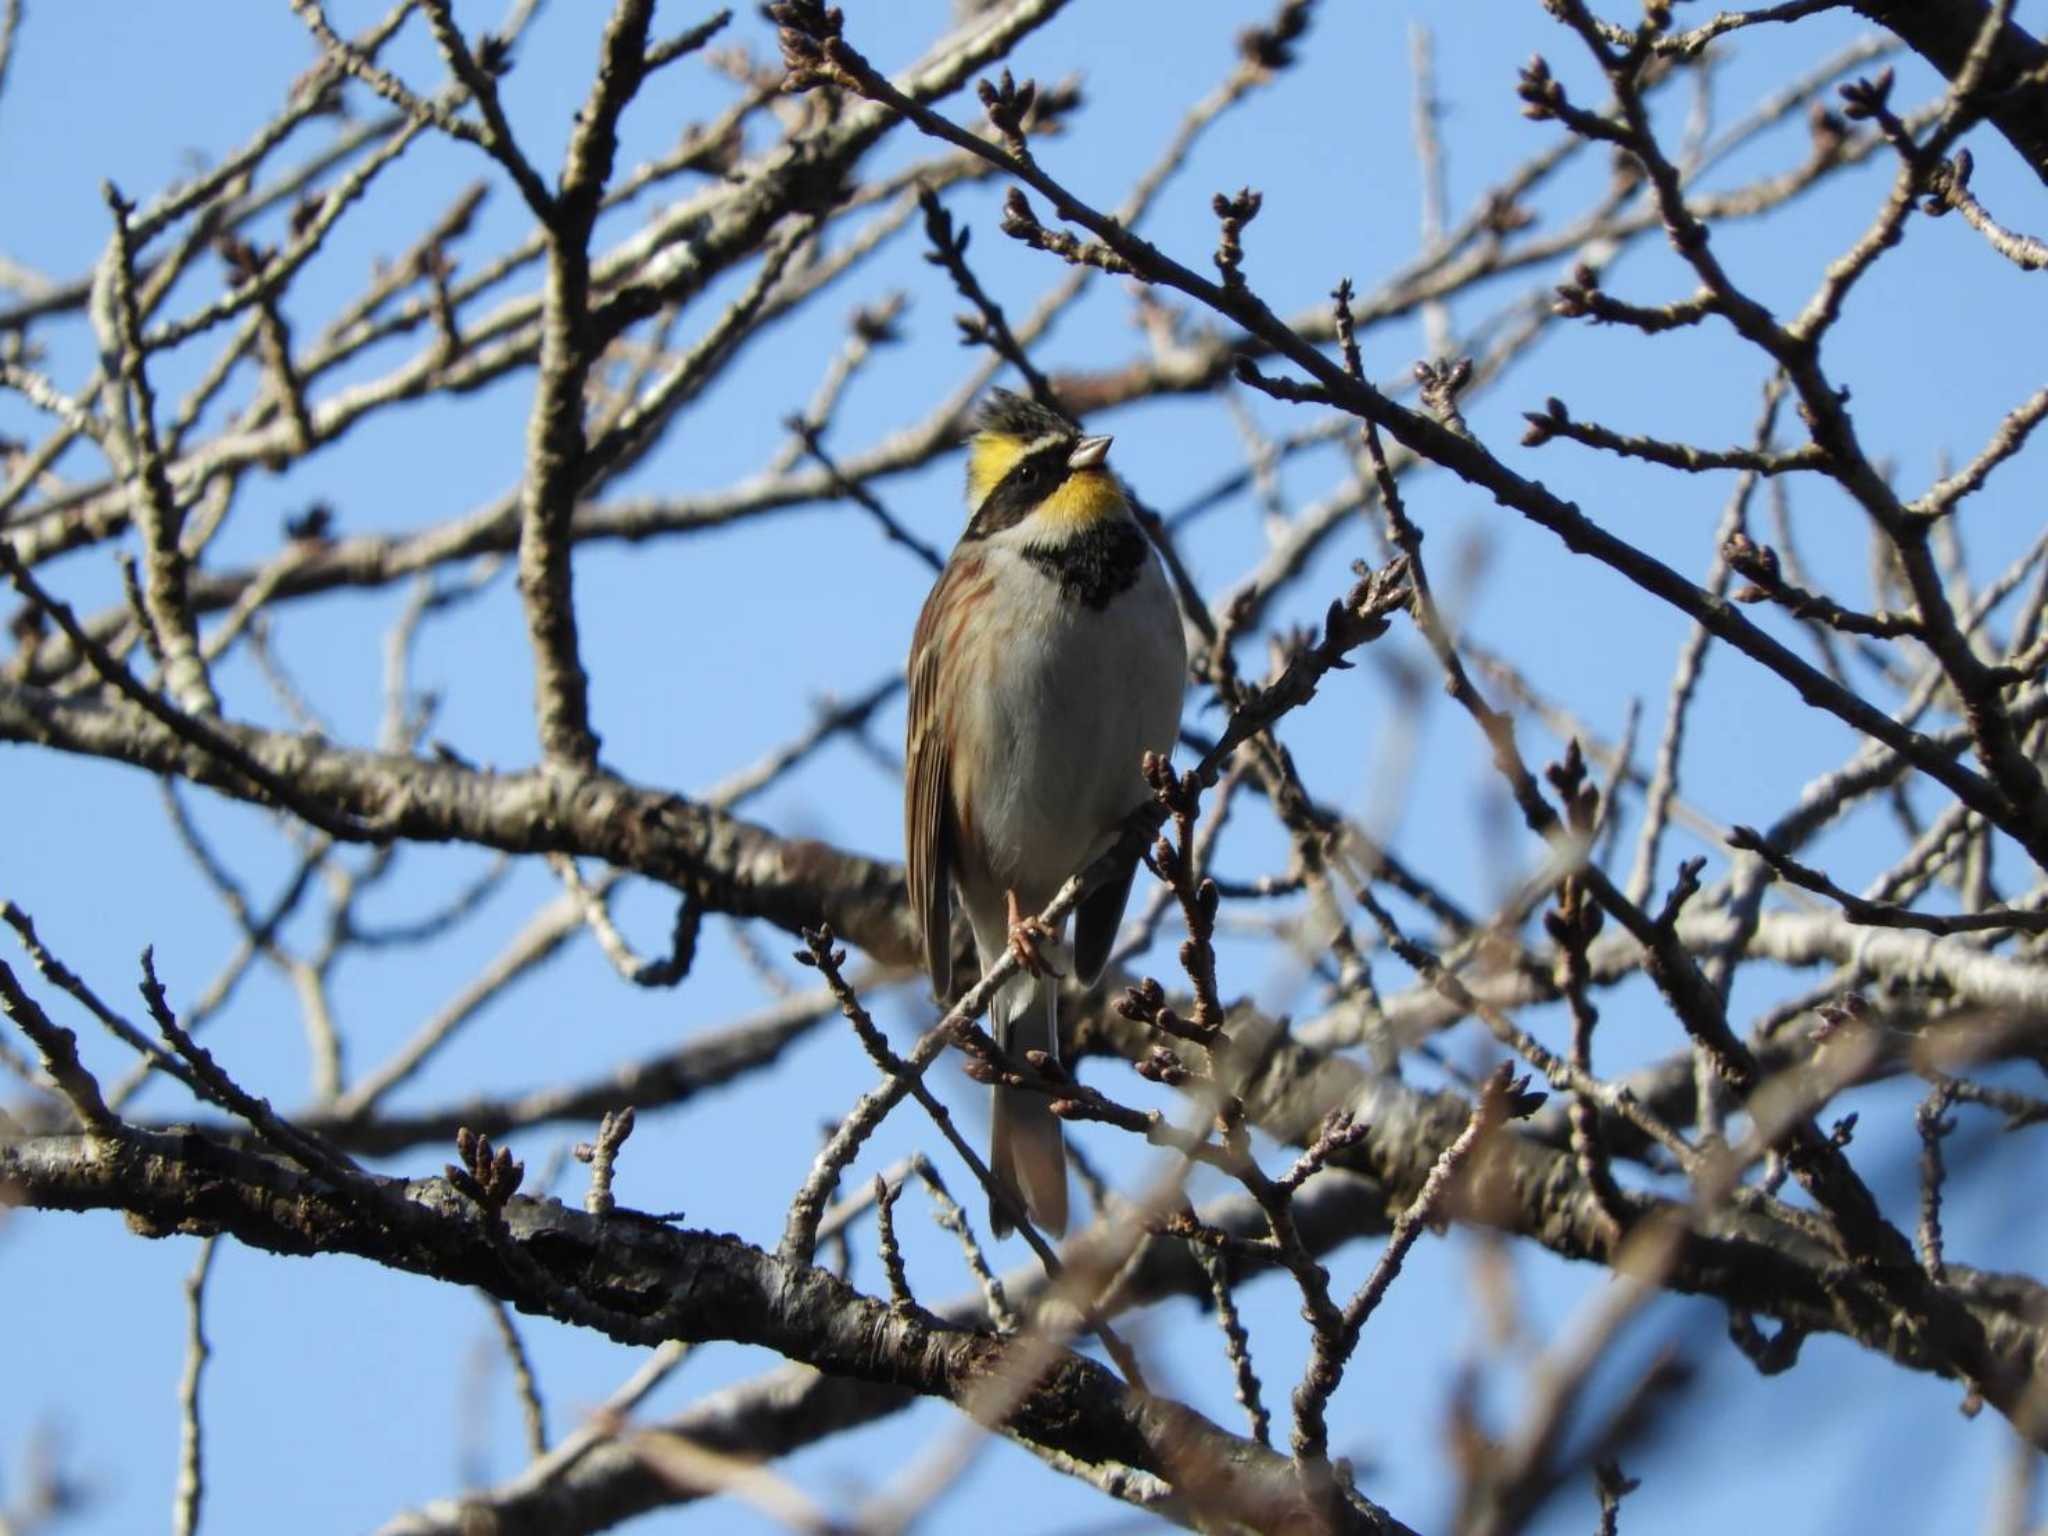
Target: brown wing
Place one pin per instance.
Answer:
(927, 787)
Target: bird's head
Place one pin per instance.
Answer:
(1026, 463)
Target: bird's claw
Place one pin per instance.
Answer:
(1025, 938)
(1026, 935)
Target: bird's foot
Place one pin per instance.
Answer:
(1026, 935)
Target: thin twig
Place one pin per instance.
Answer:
(191, 1487)
(531, 1410)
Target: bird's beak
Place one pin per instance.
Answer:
(1089, 452)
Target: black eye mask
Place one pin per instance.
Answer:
(1030, 480)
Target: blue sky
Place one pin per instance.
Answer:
(344, 1393)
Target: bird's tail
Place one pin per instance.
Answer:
(1027, 1152)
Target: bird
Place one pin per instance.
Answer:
(1047, 661)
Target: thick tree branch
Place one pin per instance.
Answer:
(2014, 98)
(649, 1283)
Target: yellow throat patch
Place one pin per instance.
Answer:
(1083, 499)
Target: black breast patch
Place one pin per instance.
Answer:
(1096, 564)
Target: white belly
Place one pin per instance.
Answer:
(1065, 718)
